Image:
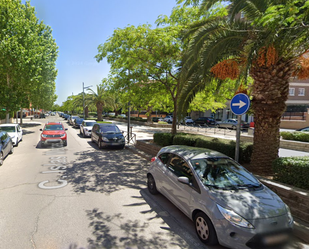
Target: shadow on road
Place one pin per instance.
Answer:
(106, 171)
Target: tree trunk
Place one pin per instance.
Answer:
(86, 112)
(99, 112)
(174, 123)
(270, 91)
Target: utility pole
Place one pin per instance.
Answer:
(84, 87)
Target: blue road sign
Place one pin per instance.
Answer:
(240, 104)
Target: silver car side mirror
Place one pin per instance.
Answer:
(184, 180)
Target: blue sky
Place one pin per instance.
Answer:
(79, 26)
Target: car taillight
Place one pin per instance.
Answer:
(153, 159)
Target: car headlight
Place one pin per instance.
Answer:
(122, 139)
(62, 135)
(234, 218)
(44, 135)
(105, 139)
(290, 217)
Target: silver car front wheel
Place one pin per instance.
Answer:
(205, 230)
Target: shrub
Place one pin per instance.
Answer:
(163, 139)
(296, 136)
(292, 170)
(185, 139)
(162, 122)
(224, 146)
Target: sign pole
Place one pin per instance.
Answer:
(240, 104)
(237, 138)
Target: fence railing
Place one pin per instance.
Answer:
(293, 116)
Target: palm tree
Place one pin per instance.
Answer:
(269, 44)
(98, 98)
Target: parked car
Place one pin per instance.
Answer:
(157, 119)
(227, 203)
(77, 122)
(6, 146)
(42, 115)
(232, 124)
(86, 127)
(107, 135)
(187, 120)
(205, 121)
(66, 116)
(168, 119)
(15, 132)
(71, 119)
(53, 132)
(305, 129)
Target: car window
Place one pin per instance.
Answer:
(7, 128)
(89, 123)
(179, 167)
(53, 127)
(109, 129)
(223, 173)
(164, 157)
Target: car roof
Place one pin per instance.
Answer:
(9, 124)
(105, 124)
(54, 123)
(189, 152)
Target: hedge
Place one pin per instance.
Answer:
(224, 146)
(296, 136)
(292, 170)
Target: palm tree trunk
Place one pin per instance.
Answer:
(99, 112)
(270, 91)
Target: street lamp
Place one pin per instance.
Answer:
(84, 87)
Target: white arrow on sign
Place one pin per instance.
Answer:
(240, 104)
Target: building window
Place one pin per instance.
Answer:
(292, 92)
(301, 91)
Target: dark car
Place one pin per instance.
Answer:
(77, 122)
(6, 145)
(107, 135)
(205, 121)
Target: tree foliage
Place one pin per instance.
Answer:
(28, 54)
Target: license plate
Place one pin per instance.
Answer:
(276, 239)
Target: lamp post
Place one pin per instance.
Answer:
(84, 87)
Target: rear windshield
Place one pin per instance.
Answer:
(7, 128)
(53, 127)
(224, 173)
(109, 129)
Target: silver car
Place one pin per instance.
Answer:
(227, 203)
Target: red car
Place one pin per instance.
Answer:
(53, 132)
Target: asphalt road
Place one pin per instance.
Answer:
(81, 197)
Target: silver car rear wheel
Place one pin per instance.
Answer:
(205, 230)
(151, 184)
(1, 158)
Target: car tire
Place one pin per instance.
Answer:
(84, 134)
(217, 125)
(1, 159)
(91, 139)
(151, 184)
(80, 132)
(121, 147)
(12, 149)
(234, 127)
(205, 229)
(65, 143)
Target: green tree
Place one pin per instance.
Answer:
(99, 98)
(268, 44)
(27, 58)
(150, 57)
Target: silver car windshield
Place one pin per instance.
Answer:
(224, 173)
